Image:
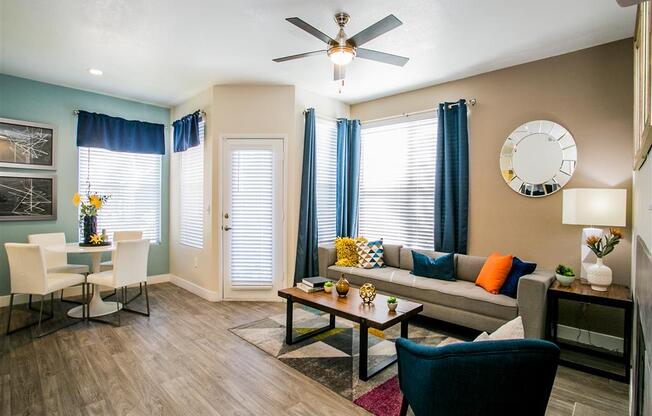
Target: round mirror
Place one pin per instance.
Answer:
(538, 158)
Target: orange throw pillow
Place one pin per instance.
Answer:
(494, 272)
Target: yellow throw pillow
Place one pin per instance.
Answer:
(347, 254)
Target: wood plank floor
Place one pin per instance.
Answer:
(184, 361)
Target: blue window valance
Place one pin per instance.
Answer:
(186, 132)
(119, 135)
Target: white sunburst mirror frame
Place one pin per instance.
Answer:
(538, 158)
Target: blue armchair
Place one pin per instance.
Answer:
(485, 378)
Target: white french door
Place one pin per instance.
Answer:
(252, 218)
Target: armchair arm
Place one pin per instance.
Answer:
(327, 258)
(531, 297)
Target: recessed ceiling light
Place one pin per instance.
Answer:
(95, 71)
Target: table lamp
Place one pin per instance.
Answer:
(593, 207)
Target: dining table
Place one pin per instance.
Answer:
(97, 306)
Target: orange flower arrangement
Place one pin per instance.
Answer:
(602, 246)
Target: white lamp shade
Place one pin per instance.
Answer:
(600, 207)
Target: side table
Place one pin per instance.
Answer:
(616, 296)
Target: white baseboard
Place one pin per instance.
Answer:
(76, 291)
(596, 339)
(191, 287)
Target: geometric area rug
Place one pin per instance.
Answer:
(331, 358)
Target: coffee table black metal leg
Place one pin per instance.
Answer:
(365, 373)
(288, 322)
(364, 350)
(288, 326)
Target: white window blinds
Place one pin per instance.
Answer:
(191, 192)
(326, 166)
(133, 183)
(397, 180)
(252, 216)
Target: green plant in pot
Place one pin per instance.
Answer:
(392, 303)
(564, 275)
(328, 287)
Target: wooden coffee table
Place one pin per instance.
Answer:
(376, 315)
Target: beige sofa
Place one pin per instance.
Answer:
(460, 302)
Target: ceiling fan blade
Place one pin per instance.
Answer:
(310, 29)
(339, 72)
(375, 30)
(298, 56)
(386, 58)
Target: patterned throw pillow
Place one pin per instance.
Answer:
(370, 255)
(346, 251)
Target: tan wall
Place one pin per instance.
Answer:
(590, 93)
(236, 110)
(193, 264)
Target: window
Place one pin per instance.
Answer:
(326, 166)
(191, 221)
(397, 180)
(133, 182)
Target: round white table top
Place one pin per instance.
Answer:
(76, 248)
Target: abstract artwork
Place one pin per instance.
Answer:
(27, 197)
(26, 145)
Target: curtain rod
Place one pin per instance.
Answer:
(471, 101)
(202, 112)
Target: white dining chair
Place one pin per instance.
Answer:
(28, 275)
(108, 264)
(129, 268)
(120, 236)
(56, 261)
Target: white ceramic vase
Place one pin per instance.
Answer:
(599, 276)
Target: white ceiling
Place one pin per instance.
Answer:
(165, 51)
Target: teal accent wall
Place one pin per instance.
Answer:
(24, 99)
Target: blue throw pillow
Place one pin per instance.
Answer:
(519, 269)
(442, 268)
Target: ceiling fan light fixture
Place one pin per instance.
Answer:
(341, 54)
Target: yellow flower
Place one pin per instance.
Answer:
(96, 201)
(96, 239)
(76, 199)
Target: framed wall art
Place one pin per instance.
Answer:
(24, 144)
(26, 197)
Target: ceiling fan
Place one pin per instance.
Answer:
(343, 49)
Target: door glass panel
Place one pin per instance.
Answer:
(252, 215)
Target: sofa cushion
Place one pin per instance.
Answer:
(468, 267)
(392, 255)
(458, 294)
(370, 254)
(494, 272)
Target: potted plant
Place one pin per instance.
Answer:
(328, 287)
(598, 274)
(392, 303)
(565, 275)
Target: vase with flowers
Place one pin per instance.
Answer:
(88, 211)
(598, 274)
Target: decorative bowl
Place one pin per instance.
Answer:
(328, 289)
(564, 280)
(392, 306)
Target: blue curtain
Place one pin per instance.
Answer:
(307, 263)
(186, 132)
(348, 175)
(452, 179)
(119, 135)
